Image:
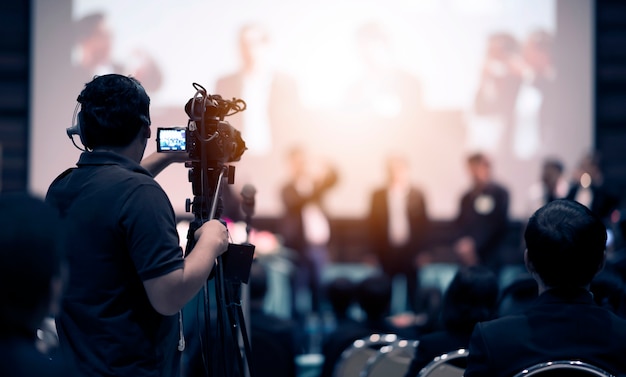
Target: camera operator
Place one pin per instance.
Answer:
(128, 278)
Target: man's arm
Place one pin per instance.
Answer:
(170, 292)
(156, 162)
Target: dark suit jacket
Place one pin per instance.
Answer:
(560, 325)
(487, 229)
(275, 343)
(397, 260)
(433, 345)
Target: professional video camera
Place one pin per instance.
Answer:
(211, 143)
(206, 131)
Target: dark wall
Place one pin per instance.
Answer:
(610, 75)
(14, 93)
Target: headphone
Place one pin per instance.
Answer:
(76, 128)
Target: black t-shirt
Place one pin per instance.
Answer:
(121, 231)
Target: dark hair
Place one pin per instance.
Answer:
(470, 298)
(565, 243)
(341, 293)
(476, 158)
(113, 110)
(30, 257)
(374, 296)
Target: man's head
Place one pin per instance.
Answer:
(551, 172)
(254, 45)
(398, 170)
(565, 244)
(30, 262)
(479, 169)
(374, 296)
(114, 108)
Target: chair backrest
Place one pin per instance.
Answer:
(565, 368)
(450, 364)
(354, 358)
(392, 360)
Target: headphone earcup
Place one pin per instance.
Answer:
(79, 128)
(76, 128)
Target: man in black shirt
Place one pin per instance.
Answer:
(128, 278)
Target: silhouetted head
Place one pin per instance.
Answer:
(470, 298)
(374, 296)
(341, 293)
(479, 168)
(114, 108)
(565, 244)
(30, 262)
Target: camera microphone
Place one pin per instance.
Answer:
(247, 199)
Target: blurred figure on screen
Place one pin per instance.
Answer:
(483, 216)
(384, 90)
(305, 227)
(92, 54)
(271, 96)
(538, 54)
(398, 225)
(534, 104)
(499, 83)
(551, 186)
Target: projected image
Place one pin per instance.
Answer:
(352, 81)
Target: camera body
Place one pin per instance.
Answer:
(208, 138)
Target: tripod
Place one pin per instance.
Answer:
(228, 330)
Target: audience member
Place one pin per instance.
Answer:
(127, 274)
(373, 295)
(470, 298)
(305, 227)
(273, 339)
(483, 216)
(608, 290)
(565, 249)
(31, 279)
(589, 188)
(398, 225)
(341, 294)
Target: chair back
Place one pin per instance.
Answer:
(450, 364)
(354, 358)
(392, 360)
(564, 368)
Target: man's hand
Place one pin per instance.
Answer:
(214, 235)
